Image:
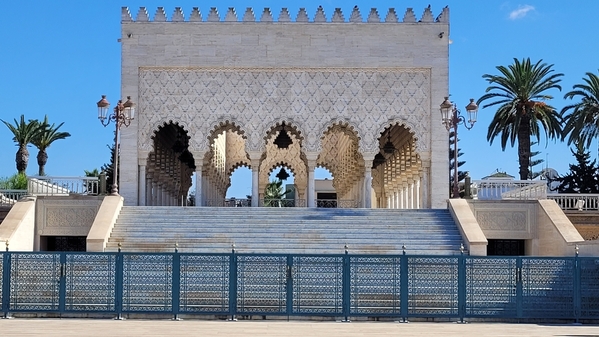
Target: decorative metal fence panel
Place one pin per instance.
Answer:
(317, 285)
(544, 279)
(589, 287)
(375, 286)
(147, 282)
(485, 273)
(261, 285)
(433, 284)
(90, 282)
(34, 282)
(345, 285)
(204, 285)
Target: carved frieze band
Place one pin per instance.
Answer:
(62, 218)
(503, 220)
(257, 98)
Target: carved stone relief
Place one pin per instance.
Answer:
(65, 217)
(258, 98)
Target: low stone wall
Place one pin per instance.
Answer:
(541, 223)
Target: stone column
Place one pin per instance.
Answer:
(255, 162)
(154, 201)
(141, 198)
(310, 193)
(417, 193)
(368, 183)
(411, 193)
(425, 188)
(199, 183)
(148, 196)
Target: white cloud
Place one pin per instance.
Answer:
(521, 12)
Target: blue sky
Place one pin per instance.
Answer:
(58, 57)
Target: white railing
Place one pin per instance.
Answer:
(10, 197)
(509, 189)
(576, 201)
(63, 186)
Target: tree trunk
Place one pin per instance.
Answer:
(22, 158)
(524, 147)
(42, 159)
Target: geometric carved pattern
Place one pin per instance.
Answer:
(503, 220)
(66, 217)
(312, 99)
(290, 157)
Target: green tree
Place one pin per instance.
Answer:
(44, 137)
(582, 124)
(23, 133)
(520, 93)
(532, 174)
(583, 178)
(109, 168)
(452, 162)
(274, 193)
(18, 181)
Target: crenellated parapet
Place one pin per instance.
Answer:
(372, 16)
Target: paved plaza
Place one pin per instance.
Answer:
(147, 328)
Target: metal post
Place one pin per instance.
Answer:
(577, 300)
(289, 285)
(233, 284)
(346, 278)
(176, 280)
(461, 284)
(62, 285)
(6, 261)
(115, 185)
(403, 285)
(519, 292)
(118, 287)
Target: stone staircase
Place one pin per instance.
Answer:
(285, 230)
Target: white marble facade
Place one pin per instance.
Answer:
(213, 95)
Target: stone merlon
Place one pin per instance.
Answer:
(284, 16)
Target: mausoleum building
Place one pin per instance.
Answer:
(357, 93)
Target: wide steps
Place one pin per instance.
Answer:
(284, 230)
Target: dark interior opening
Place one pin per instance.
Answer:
(497, 247)
(63, 243)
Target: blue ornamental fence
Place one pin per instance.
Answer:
(341, 286)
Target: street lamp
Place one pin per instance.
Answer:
(122, 114)
(452, 118)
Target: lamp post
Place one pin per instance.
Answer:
(452, 118)
(122, 114)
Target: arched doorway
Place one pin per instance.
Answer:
(397, 170)
(169, 167)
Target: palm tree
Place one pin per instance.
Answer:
(520, 93)
(582, 124)
(45, 136)
(274, 193)
(23, 133)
